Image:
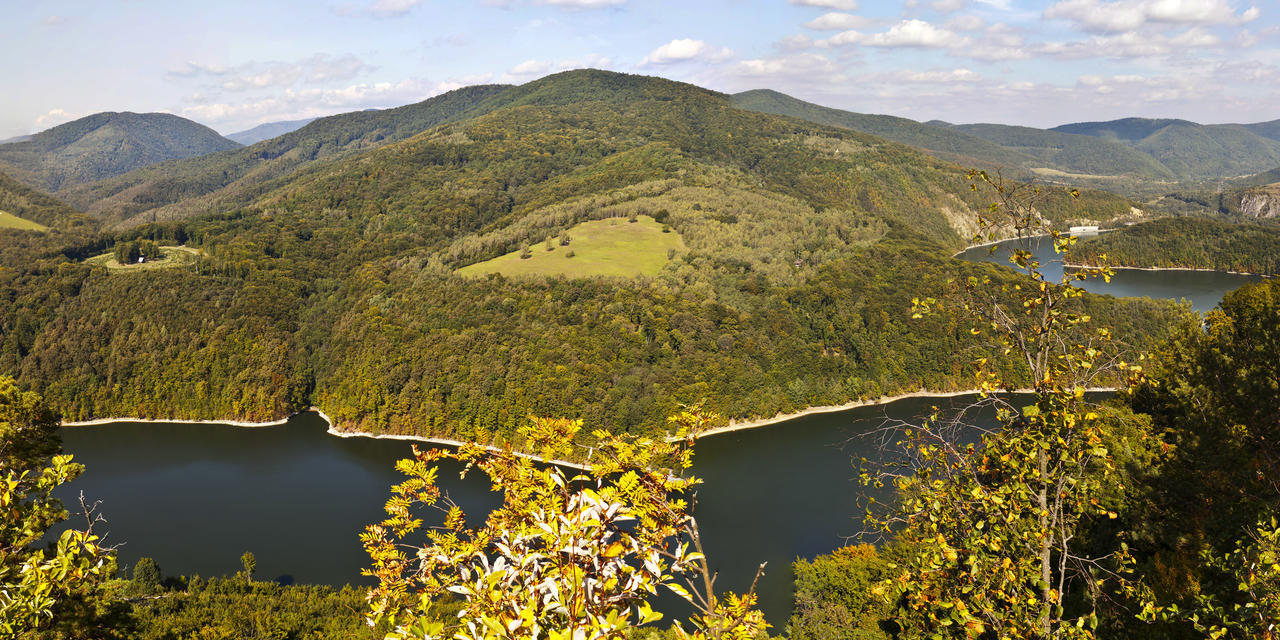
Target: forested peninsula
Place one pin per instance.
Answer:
(1188, 243)
(336, 283)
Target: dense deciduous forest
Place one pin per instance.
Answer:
(1189, 243)
(332, 282)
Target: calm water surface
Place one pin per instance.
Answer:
(1203, 289)
(195, 497)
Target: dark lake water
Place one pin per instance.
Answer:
(195, 497)
(1203, 289)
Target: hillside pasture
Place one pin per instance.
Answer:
(173, 257)
(609, 247)
(10, 221)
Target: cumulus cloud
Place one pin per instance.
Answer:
(53, 118)
(840, 5)
(1099, 16)
(527, 70)
(1131, 44)
(966, 23)
(950, 76)
(948, 6)
(590, 61)
(391, 8)
(796, 42)
(530, 69)
(838, 21)
(906, 34)
(683, 50)
(317, 69)
(292, 103)
(997, 42)
(804, 72)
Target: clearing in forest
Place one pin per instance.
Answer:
(10, 221)
(173, 257)
(609, 247)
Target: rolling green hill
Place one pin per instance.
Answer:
(234, 178)
(1087, 156)
(1190, 150)
(334, 280)
(105, 145)
(267, 131)
(948, 144)
(21, 201)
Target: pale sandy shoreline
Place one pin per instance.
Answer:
(231, 423)
(1234, 273)
(331, 431)
(883, 400)
(734, 425)
(995, 242)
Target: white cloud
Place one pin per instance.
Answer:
(590, 61)
(526, 71)
(683, 50)
(391, 8)
(907, 33)
(1132, 44)
(807, 72)
(837, 21)
(966, 23)
(998, 42)
(317, 69)
(948, 6)
(53, 118)
(308, 103)
(940, 77)
(1099, 16)
(840, 5)
(795, 43)
(529, 67)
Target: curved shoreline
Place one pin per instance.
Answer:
(1201, 269)
(756, 423)
(734, 425)
(231, 423)
(995, 242)
(331, 430)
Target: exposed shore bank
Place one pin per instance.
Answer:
(734, 425)
(232, 423)
(1117, 268)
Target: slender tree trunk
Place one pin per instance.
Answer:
(1046, 544)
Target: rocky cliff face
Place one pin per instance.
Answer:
(1261, 203)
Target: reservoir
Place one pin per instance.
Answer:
(1203, 289)
(195, 497)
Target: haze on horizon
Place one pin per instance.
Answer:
(238, 64)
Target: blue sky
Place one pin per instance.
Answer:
(233, 64)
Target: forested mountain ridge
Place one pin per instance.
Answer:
(336, 286)
(105, 145)
(1096, 153)
(223, 181)
(1072, 153)
(27, 203)
(1192, 150)
(267, 131)
(952, 145)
